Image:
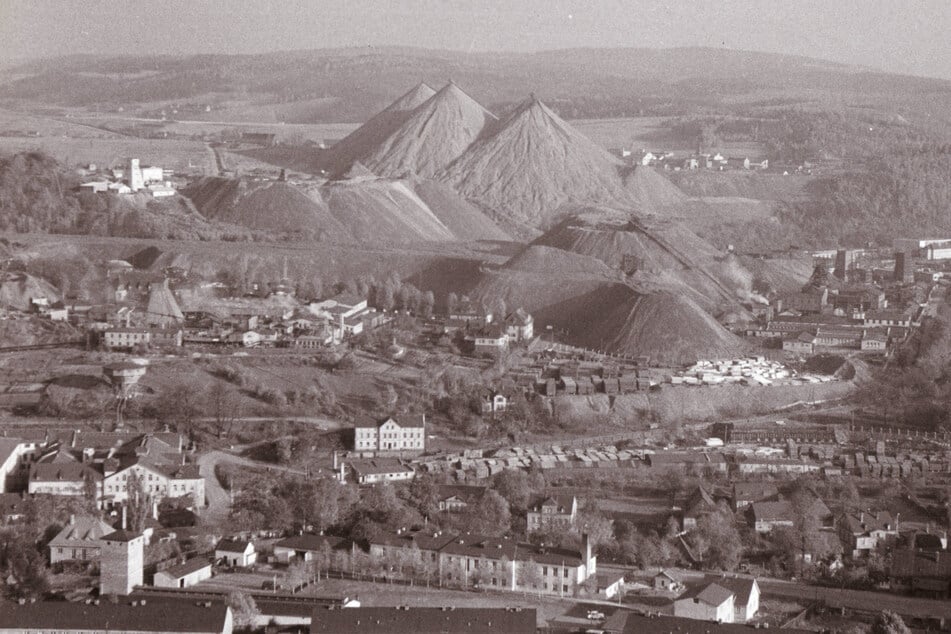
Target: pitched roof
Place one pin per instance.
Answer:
(772, 511)
(416, 620)
(755, 491)
(184, 616)
(80, 532)
(741, 587)
(377, 466)
(519, 317)
(63, 472)
(714, 594)
(121, 536)
(186, 568)
(233, 545)
(673, 575)
(468, 493)
(564, 503)
(313, 542)
(633, 623)
(925, 564)
(867, 522)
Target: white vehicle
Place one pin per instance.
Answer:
(595, 615)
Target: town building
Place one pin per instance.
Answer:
(80, 540)
(101, 464)
(712, 602)
(144, 616)
(376, 470)
(519, 326)
(183, 575)
(64, 478)
(490, 340)
(494, 402)
(746, 493)
(309, 547)
(920, 572)
(769, 515)
(237, 553)
(459, 497)
(861, 533)
(496, 563)
(668, 581)
(629, 622)
(158, 480)
(557, 512)
(423, 620)
(746, 593)
(121, 561)
(389, 436)
(610, 585)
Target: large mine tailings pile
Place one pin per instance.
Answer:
(531, 164)
(363, 141)
(435, 134)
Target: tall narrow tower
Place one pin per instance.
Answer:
(136, 181)
(120, 563)
(840, 263)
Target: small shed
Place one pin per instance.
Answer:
(236, 553)
(669, 580)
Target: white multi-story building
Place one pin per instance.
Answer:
(157, 482)
(388, 436)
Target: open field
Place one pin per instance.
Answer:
(651, 133)
(285, 132)
(173, 154)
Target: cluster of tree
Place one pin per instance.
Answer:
(22, 544)
(907, 191)
(914, 390)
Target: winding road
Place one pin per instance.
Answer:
(219, 499)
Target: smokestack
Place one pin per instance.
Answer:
(335, 459)
(586, 545)
(125, 516)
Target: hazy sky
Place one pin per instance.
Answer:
(908, 36)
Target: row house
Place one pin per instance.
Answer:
(887, 318)
(496, 563)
